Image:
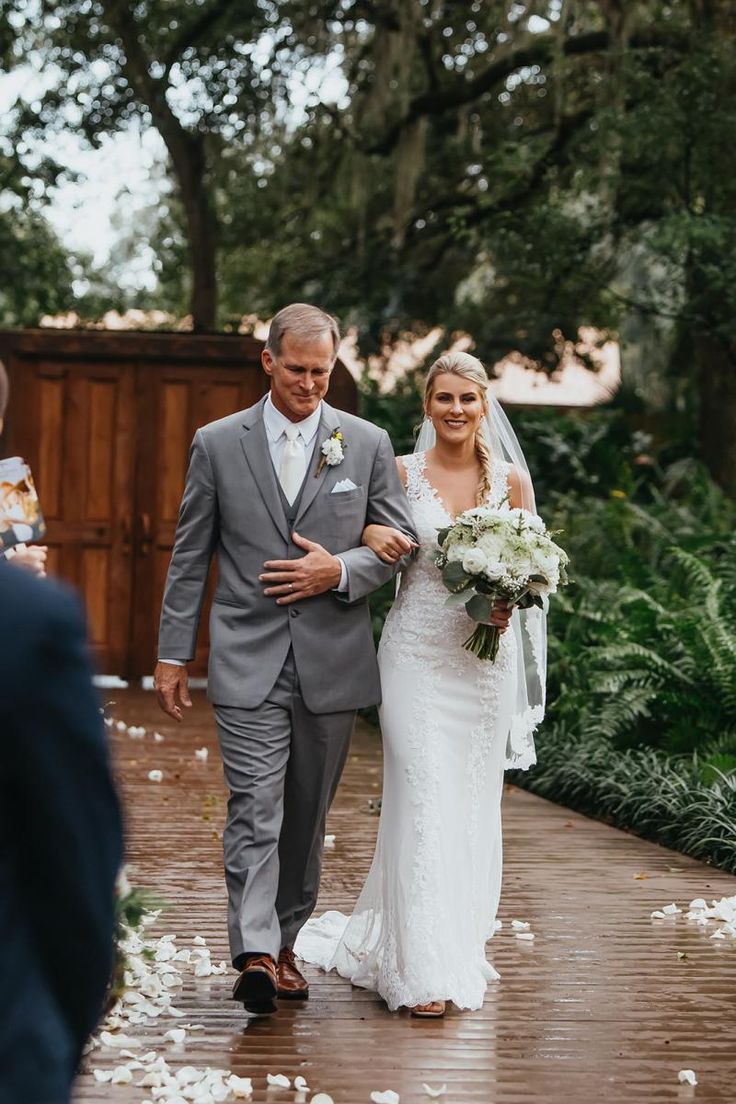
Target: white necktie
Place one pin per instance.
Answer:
(293, 463)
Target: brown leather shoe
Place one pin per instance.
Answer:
(291, 984)
(256, 987)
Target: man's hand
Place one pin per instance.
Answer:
(171, 683)
(32, 558)
(292, 580)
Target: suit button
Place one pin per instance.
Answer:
(294, 612)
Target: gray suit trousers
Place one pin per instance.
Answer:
(282, 766)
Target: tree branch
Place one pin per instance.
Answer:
(195, 30)
(536, 50)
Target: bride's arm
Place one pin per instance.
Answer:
(521, 493)
(389, 544)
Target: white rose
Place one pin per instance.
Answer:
(474, 561)
(494, 570)
(456, 553)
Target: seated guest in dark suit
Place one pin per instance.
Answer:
(60, 841)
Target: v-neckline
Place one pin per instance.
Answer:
(438, 497)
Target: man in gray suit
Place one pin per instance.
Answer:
(281, 493)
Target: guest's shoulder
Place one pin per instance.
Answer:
(31, 603)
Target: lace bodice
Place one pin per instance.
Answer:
(420, 624)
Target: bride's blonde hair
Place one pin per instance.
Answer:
(470, 368)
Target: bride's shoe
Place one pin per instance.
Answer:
(431, 1011)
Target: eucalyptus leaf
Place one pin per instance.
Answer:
(480, 607)
(454, 577)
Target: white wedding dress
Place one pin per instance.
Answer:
(419, 928)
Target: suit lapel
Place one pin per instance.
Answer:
(255, 446)
(329, 422)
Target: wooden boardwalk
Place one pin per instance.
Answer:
(605, 1004)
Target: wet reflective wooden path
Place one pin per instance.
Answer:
(605, 1004)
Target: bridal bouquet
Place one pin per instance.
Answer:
(487, 554)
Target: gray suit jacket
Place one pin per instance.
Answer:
(232, 508)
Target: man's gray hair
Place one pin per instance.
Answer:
(304, 321)
(4, 390)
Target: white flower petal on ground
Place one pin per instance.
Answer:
(199, 941)
(121, 726)
(153, 1079)
(175, 1035)
(657, 914)
(329, 841)
(671, 910)
(718, 934)
(300, 1083)
(121, 1075)
(687, 1077)
(388, 1096)
(698, 903)
(322, 1098)
(528, 936)
(278, 1080)
(102, 1075)
(109, 1040)
(155, 776)
(202, 753)
(434, 1093)
(239, 1086)
(520, 925)
(158, 737)
(187, 1075)
(497, 924)
(204, 968)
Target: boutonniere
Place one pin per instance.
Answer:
(333, 451)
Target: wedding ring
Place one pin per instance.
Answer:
(291, 586)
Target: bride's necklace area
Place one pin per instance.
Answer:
(441, 496)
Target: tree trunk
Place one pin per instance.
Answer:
(188, 156)
(190, 167)
(716, 375)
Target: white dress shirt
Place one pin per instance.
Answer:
(275, 424)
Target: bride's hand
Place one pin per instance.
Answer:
(388, 544)
(501, 615)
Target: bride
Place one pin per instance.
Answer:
(451, 723)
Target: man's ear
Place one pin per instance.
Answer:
(267, 362)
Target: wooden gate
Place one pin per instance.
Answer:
(105, 421)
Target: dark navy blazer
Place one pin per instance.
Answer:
(60, 841)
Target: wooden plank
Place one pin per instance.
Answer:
(599, 1007)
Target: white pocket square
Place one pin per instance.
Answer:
(344, 485)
